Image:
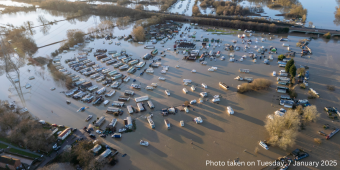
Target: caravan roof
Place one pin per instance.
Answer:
(142, 98)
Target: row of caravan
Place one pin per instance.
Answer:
(140, 107)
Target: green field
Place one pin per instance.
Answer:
(2, 146)
(23, 153)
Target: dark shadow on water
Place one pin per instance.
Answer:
(249, 118)
(157, 151)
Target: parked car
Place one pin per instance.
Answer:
(103, 136)
(301, 156)
(92, 136)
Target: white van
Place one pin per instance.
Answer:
(230, 110)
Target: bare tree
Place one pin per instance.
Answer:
(138, 33)
(42, 20)
(9, 120)
(311, 113)
(28, 25)
(283, 129)
(81, 150)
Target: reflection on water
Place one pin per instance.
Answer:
(182, 7)
(321, 13)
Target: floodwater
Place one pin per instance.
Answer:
(321, 14)
(182, 7)
(12, 3)
(221, 137)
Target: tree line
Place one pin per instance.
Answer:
(230, 8)
(236, 24)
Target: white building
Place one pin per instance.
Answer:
(64, 134)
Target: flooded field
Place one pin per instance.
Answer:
(321, 14)
(221, 137)
(182, 7)
(12, 3)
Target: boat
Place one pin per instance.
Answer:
(193, 71)
(167, 92)
(204, 85)
(143, 143)
(81, 109)
(177, 66)
(154, 84)
(89, 118)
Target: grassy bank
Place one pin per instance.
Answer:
(16, 151)
(3, 146)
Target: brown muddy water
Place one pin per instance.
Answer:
(221, 137)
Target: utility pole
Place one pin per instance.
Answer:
(12, 72)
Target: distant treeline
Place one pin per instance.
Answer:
(109, 10)
(230, 8)
(244, 19)
(236, 24)
(119, 11)
(66, 6)
(13, 9)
